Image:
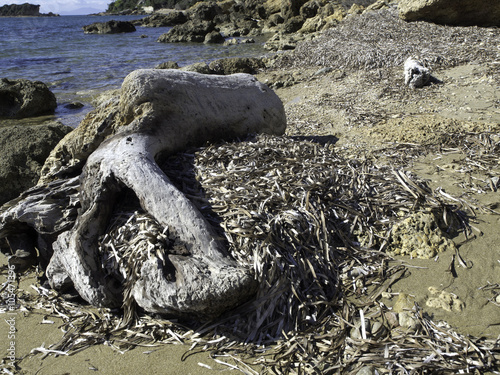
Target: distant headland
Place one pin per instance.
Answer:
(23, 10)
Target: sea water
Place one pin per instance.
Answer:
(78, 67)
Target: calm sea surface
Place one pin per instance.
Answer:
(78, 66)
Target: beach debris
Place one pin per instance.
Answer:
(416, 75)
(160, 112)
(380, 39)
(295, 210)
(495, 291)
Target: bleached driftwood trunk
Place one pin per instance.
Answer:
(159, 113)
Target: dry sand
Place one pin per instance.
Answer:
(346, 108)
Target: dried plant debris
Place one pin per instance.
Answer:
(380, 39)
(481, 161)
(314, 225)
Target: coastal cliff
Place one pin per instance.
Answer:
(23, 10)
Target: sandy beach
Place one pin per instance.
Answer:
(428, 131)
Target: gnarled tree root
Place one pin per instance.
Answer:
(160, 113)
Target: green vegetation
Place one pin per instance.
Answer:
(120, 5)
(14, 10)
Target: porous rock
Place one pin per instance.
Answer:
(416, 74)
(204, 11)
(167, 65)
(214, 37)
(24, 150)
(419, 236)
(234, 65)
(110, 27)
(21, 98)
(452, 12)
(191, 31)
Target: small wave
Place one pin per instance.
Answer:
(23, 62)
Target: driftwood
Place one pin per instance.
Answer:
(159, 112)
(416, 75)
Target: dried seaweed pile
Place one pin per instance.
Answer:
(481, 156)
(380, 39)
(295, 211)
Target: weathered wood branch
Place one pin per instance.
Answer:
(159, 113)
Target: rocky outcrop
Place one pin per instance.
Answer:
(199, 26)
(227, 66)
(15, 10)
(190, 31)
(24, 150)
(110, 27)
(452, 12)
(167, 65)
(204, 11)
(22, 98)
(233, 65)
(291, 8)
(163, 20)
(251, 18)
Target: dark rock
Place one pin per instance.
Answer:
(201, 67)
(22, 98)
(110, 27)
(245, 24)
(204, 11)
(233, 65)
(74, 105)
(164, 20)
(452, 12)
(292, 25)
(214, 37)
(275, 20)
(190, 31)
(24, 150)
(310, 9)
(291, 8)
(167, 65)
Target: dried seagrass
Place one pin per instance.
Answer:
(294, 210)
(379, 39)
